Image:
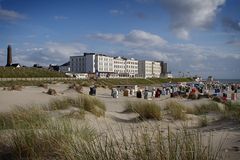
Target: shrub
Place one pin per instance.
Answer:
(176, 110)
(52, 92)
(146, 110)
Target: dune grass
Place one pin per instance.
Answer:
(27, 72)
(63, 140)
(176, 110)
(204, 108)
(53, 140)
(232, 110)
(145, 109)
(82, 102)
(31, 133)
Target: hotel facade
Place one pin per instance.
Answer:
(115, 67)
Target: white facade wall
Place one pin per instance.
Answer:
(156, 69)
(104, 63)
(131, 66)
(91, 62)
(119, 65)
(145, 69)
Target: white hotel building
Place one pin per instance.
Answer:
(107, 66)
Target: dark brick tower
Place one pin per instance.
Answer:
(9, 56)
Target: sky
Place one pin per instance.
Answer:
(195, 37)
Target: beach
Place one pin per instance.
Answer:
(220, 129)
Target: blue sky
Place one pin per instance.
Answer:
(197, 36)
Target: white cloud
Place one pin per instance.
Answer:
(51, 52)
(180, 57)
(181, 33)
(187, 15)
(10, 15)
(64, 50)
(135, 38)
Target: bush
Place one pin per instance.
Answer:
(176, 110)
(146, 110)
(52, 92)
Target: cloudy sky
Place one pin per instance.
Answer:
(193, 36)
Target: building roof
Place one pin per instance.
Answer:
(66, 64)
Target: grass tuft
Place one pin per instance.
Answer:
(82, 102)
(77, 87)
(204, 108)
(22, 117)
(232, 110)
(45, 137)
(176, 110)
(146, 109)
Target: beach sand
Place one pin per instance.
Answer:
(227, 130)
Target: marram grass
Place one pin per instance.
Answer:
(34, 134)
(145, 109)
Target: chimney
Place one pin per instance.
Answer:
(9, 55)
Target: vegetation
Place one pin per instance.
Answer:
(232, 110)
(204, 108)
(77, 87)
(203, 121)
(145, 109)
(23, 117)
(36, 135)
(22, 83)
(25, 72)
(176, 110)
(83, 102)
(139, 81)
(85, 82)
